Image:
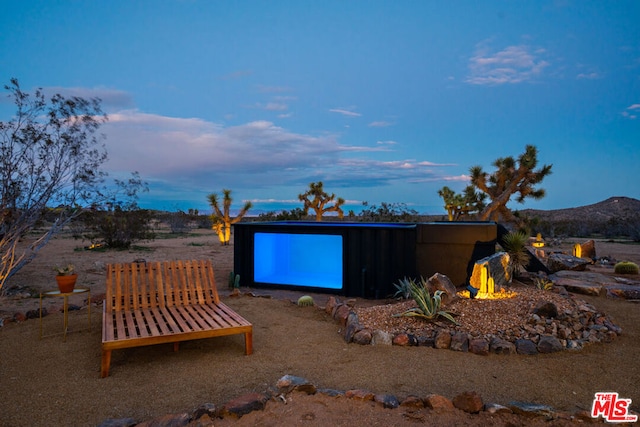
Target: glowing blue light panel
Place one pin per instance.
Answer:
(312, 260)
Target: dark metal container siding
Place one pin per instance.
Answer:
(375, 255)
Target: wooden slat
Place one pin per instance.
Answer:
(117, 282)
(135, 291)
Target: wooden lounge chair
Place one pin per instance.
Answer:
(164, 302)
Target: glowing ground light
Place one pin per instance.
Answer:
(539, 242)
(487, 288)
(501, 294)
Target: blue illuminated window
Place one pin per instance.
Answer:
(311, 260)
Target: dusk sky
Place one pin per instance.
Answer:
(383, 101)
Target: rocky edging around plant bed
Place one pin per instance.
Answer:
(542, 333)
(415, 407)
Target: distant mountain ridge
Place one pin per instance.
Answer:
(613, 207)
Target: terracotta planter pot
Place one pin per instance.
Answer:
(66, 283)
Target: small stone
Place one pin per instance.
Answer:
(524, 346)
(549, 344)
(460, 342)
(438, 403)
(469, 401)
(479, 346)
(494, 408)
(531, 409)
(573, 345)
(19, 317)
(546, 309)
(204, 409)
(362, 337)
(412, 402)
(35, 314)
(359, 394)
(342, 313)
(245, 404)
(401, 340)
(387, 400)
(380, 337)
(332, 302)
(499, 346)
(443, 339)
(426, 341)
(290, 383)
(331, 392)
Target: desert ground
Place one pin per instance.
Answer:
(50, 381)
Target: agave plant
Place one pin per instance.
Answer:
(428, 306)
(514, 243)
(403, 289)
(543, 283)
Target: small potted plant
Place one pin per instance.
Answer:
(66, 278)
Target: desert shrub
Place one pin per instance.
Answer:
(388, 212)
(118, 228)
(626, 267)
(428, 307)
(514, 243)
(292, 215)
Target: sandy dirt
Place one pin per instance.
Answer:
(52, 382)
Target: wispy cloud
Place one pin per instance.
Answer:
(380, 124)
(193, 153)
(111, 98)
(272, 106)
(345, 112)
(513, 64)
(630, 112)
(589, 76)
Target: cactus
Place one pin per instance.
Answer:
(234, 280)
(305, 301)
(626, 267)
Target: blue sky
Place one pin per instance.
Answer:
(382, 101)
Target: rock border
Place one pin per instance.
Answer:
(541, 333)
(469, 402)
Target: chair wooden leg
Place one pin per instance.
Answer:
(248, 343)
(106, 362)
(176, 346)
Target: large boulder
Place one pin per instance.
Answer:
(440, 282)
(585, 250)
(557, 262)
(491, 274)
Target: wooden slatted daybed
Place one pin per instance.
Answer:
(164, 302)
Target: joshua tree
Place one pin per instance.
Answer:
(319, 201)
(457, 205)
(221, 220)
(511, 177)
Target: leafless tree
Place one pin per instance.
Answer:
(50, 169)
